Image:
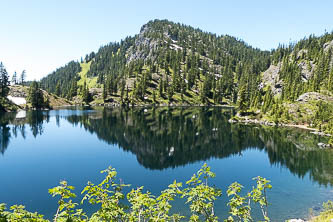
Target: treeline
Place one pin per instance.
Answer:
(4, 81)
(173, 63)
(305, 67)
(15, 78)
(184, 59)
(4, 89)
(166, 61)
(63, 81)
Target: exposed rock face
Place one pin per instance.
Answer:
(328, 45)
(271, 78)
(307, 70)
(145, 48)
(95, 91)
(302, 53)
(18, 91)
(313, 96)
(142, 43)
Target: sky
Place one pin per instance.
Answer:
(42, 35)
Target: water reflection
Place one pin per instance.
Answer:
(14, 124)
(170, 137)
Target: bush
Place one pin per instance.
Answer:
(143, 206)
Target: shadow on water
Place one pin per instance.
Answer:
(170, 137)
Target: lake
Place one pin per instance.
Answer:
(151, 147)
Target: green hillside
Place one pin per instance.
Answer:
(171, 63)
(90, 81)
(167, 63)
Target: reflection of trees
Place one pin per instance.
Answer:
(9, 126)
(162, 138)
(298, 151)
(35, 120)
(4, 137)
(171, 137)
(5, 130)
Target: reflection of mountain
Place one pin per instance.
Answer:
(298, 151)
(170, 137)
(162, 138)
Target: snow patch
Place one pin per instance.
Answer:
(17, 100)
(176, 47)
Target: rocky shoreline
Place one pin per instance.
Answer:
(245, 120)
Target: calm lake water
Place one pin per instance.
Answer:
(152, 147)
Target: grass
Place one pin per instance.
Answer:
(91, 82)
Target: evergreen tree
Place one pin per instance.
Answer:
(104, 93)
(170, 93)
(154, 97)
(4, 81)
(127, 97)
(86, 97)
(219, 62)
(73, 90)
(35, 96)
(23, 76)
(202, 95)
(160, 87)
(14, 78)
(67, 76)
(58, 89)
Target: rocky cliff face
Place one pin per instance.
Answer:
(307, 66)
(271, 78)
(143, 48)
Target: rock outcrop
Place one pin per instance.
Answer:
(314, 96)
(307, 69)
(143, 47)
(271, 78)
(328, 45)
(18, 95)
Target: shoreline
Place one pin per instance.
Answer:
(241, 120)
(290, 125)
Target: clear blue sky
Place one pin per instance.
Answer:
(41, 35)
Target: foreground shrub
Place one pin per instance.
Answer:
(143, 206)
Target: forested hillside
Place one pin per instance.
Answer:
(167, 63)
(62, 82)
(298, 85)
(171, 63)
